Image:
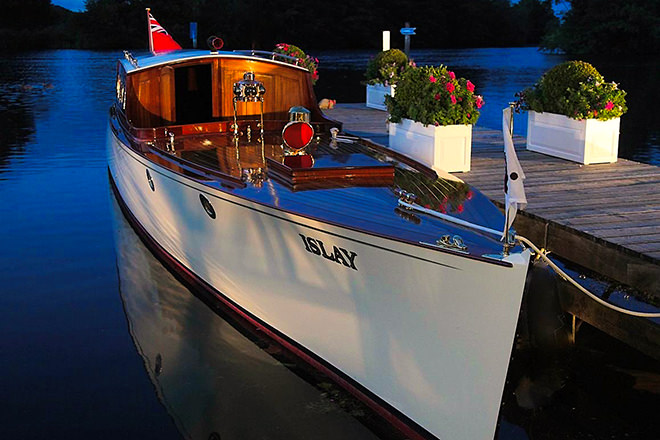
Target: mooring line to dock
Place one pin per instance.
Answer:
(540, 253)
(566, 277)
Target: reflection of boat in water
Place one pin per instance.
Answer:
(302, 234)
(211, 378)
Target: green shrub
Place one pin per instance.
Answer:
(434, 96)
(386, 67)
(577, 90)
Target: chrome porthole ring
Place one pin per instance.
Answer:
(207, 206)
(151, 181)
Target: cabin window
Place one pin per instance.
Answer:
(193, 94)
(121, 90)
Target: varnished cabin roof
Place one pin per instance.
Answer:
(148, 60)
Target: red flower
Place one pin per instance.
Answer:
(437, 96)
(609, 106)
(460, 209)
(469, 195)
(442, 209)
(453, 99)
(480, 101)
(469, 86)
(451, 74)
(595, 113)
(432, 79)
(450, 87)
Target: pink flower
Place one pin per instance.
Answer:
(453, 99)
(451, 74)
(437, 96)
(609, 106)
(450, 87)
(432, 79)
(469, 195)
(469, 86)
(480, 101)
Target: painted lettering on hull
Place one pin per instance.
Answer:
(329, 252)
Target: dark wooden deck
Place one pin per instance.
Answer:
(603, 217)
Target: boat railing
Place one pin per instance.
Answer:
(270, 55)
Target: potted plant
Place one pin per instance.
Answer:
(431, 117)
(382, 74)
(574, 114)
(302, 59)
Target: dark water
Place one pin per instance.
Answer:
(97, 340)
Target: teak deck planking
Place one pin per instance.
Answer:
(605, 217)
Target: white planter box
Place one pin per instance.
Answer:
(443, 148)
(587, 141)
(376, 95)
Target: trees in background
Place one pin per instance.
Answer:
(588, 27)
(34, 24)
(608, 27)
(260, 24)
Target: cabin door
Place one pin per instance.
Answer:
(193, 93)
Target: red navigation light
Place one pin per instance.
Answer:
(297, 134)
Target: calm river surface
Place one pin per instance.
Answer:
(98, 340)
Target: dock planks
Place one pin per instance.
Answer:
(604, 217)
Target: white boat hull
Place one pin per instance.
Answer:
(427, 332)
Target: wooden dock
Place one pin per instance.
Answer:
(603, 217)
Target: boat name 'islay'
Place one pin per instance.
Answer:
(337, 254)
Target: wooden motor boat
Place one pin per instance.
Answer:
(229, 171)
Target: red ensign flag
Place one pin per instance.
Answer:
(159, 40)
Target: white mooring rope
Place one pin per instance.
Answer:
(539, 252)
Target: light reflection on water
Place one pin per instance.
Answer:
(68, 365)
(210, 377)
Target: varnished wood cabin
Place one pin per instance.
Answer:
(197, 89)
